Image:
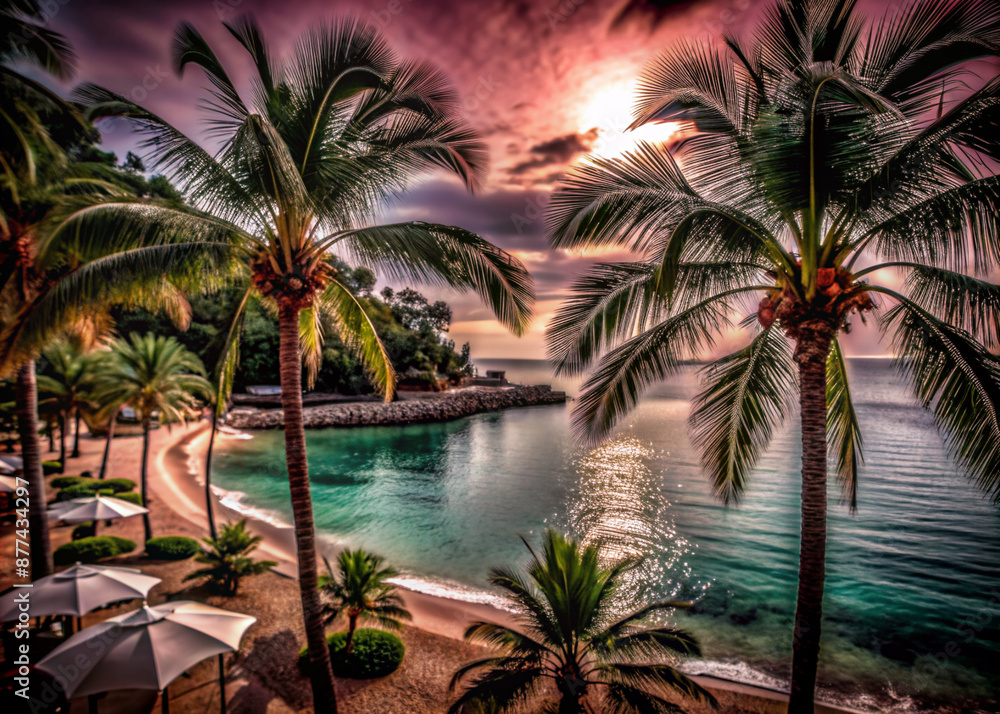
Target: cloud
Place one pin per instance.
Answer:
(560, 151)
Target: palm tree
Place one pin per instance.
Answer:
(229, 558)
(572, 633)
(822, 150)
(67, 386)
(360, 589)
(53, 272)
(326, 137)
(158, 378)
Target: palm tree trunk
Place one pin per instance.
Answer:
(107, 446)
(811, 354)
(76, 434)
(31, 457)
(62, 442)
(144, 471)
(324, 695)
(208, 476)
(50, 428)
(352, 624)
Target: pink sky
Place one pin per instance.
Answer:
(545, 82)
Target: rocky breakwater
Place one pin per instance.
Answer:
(430, 408)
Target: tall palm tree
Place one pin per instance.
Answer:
(23, 39)
(821, 154)
(53, 272)
(68, 385)
(359, 589)
(157, 377)
(572, 633)
(306, 160)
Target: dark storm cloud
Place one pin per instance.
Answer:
(559, 151)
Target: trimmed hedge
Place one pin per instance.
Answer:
(171, 547)
(80, 490)
(92, 549)
(124, 544)
(131, 497)
(67, 481)
(51, 467)
(84, 530)
(118, 485)
(376, 653)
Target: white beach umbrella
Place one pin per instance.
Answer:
(10, 464)
(8, 484)
(78, 590)
(145, 649)
(94, 508)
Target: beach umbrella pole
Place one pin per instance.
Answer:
(165, 701)
(92, 704)
(222, 684)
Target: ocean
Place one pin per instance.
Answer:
(912, 608)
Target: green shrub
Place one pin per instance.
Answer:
(51, 467)
(84, 530)
(67, 481)
(131, 497)
(376, 653)
(171, 547)
(92, 549)
(124, 544)
(118, 485)
(80, 490)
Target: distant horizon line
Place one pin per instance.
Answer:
(690, 361)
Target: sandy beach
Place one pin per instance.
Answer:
(263, 676)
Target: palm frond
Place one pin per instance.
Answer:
(614, 388)
(450, 256)
(745, 397)
(653, 676)
(358, 333)
(955, 377)
(844, 432)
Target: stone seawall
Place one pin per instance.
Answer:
(439, 407)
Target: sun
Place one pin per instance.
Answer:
(608, 116)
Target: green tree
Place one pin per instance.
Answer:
(67, 385)
(825, 148)
(229, 558)
(572, 633)
(158, 378)
(54, 273)
(359, 590)
(326, 137)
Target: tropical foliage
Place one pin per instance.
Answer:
(158, 378)
(55, 273)
(412, 329)
(306, 159)
(66, 385)
(229, 558)
(821, 155)
(359, 589)
(571, 633)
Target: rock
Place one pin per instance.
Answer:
(445, 406)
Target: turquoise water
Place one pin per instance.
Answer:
(913, 587)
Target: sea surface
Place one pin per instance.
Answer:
(912, 609)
